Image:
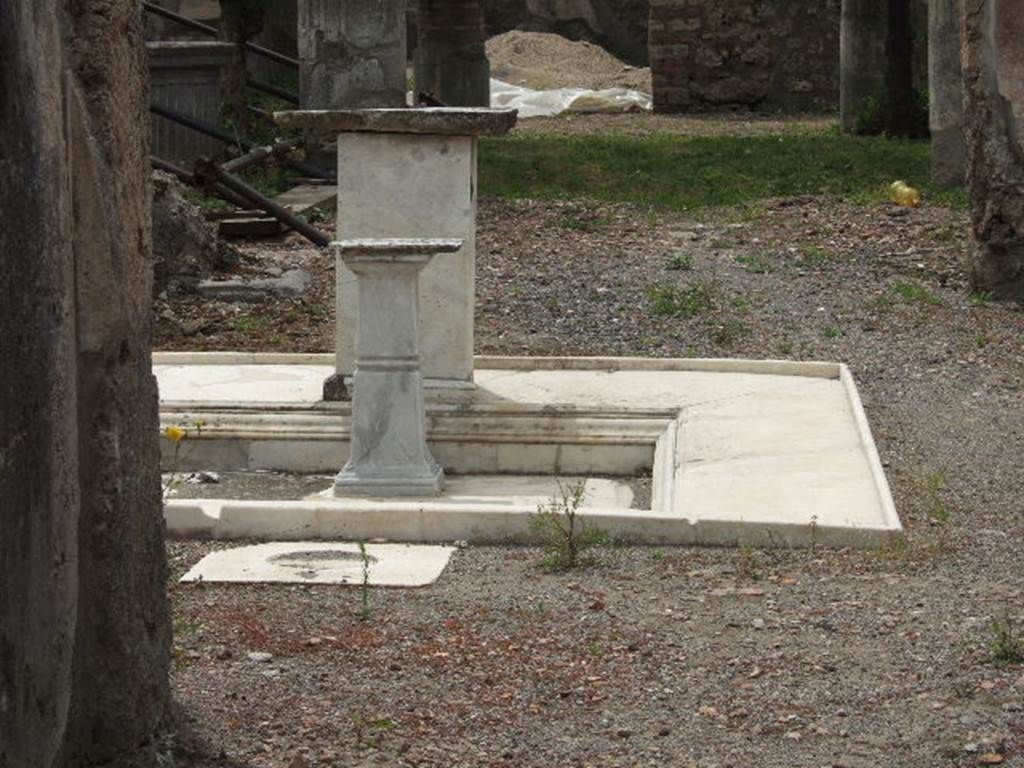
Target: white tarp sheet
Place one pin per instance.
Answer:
(532, 103)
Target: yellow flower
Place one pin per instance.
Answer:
(174, 434)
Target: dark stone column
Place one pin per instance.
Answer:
(945, 93)
(38, 437)
(120, 696)
(451, 58)
(863, 36)
(352, 53)
(993, 78)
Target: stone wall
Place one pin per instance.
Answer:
(774, 54)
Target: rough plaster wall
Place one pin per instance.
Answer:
(991, 54)
(781, 54)
(120, 695)
(38, 470)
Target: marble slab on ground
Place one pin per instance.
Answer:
(318, 562)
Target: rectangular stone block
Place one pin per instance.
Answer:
(393, 185)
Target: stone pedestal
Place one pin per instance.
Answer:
(411, 173)
(185, 76)
(945, 93)
(389, 442)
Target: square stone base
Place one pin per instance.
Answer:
(415, 481)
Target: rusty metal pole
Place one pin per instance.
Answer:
(210, 172)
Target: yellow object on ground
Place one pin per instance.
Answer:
(903, 194)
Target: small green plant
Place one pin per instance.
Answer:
(728, 333)
(688, 301)
(561, 531)
(203, 202)
(814, 256)
(931, 486)
(584, 223)
(831, 332)
(248, 323)
(679, 262)
(814, 533)
(176, 434)
(553, 303)
(982, 298)
(916, 292)
(370, 733)
(757, 263)
(318, 311)
(364, 586)
(746, 565)
(184, 628)
(1006, 645)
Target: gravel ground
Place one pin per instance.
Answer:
(678, 657)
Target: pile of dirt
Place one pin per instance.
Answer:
(541, 61)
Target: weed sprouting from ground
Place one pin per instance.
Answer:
(176, 434)
(679, 262)
(364, 586)
(688, 301)
(747, 564)
(562, 532)
(931, 486)
(756, 263)
(917, 293)
(1007, 645)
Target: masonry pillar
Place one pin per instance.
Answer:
(451, 58)
(863, 34)
(945, 93)
(993, 81)
(351, 53)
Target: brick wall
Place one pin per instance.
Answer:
(768, 54)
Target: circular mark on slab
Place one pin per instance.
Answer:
(303, 559)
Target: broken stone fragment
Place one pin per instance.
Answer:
(292, 284)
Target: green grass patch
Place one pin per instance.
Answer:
(916, 292)
(757, 263)
(679, 262)
(685, 173)
(686, 301)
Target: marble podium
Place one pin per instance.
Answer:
(389, 442)
(410, 173)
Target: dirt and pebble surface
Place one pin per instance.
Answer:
(681, 657)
